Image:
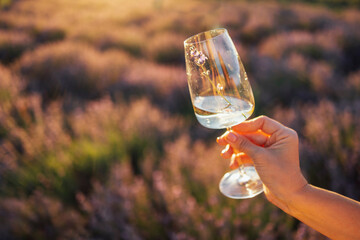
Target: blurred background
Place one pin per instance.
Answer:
(98, 139)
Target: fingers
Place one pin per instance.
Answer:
(234, 162)
(227, 152)
(239, 158)
(248, 139)
(263, 123)
(259, 138)
(221, 141)
(242, 144)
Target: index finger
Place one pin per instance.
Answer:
(258, 137)
(263, 123)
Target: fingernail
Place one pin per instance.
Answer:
(231, 137)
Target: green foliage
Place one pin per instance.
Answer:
(67, 171)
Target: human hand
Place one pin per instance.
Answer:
(273, 148)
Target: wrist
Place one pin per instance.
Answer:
(287, 196)
(295, 200)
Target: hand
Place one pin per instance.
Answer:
(273, 148)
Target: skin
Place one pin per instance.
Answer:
(274, 150)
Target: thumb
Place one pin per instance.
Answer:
(242, 144)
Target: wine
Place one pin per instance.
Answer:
(222, 97)
(218, 112)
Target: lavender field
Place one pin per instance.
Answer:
(98, 139)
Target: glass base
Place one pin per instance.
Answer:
(237, 185)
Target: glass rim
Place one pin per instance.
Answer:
(191, 39)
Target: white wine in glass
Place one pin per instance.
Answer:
(222, 97)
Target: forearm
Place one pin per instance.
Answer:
(331, 214)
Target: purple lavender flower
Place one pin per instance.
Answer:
(198, 56)
(201, 60)
(195, 53)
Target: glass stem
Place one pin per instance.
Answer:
(243, 177)
(241, 170)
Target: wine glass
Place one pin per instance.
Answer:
(222, 97)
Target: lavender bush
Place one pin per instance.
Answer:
(97, 134)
